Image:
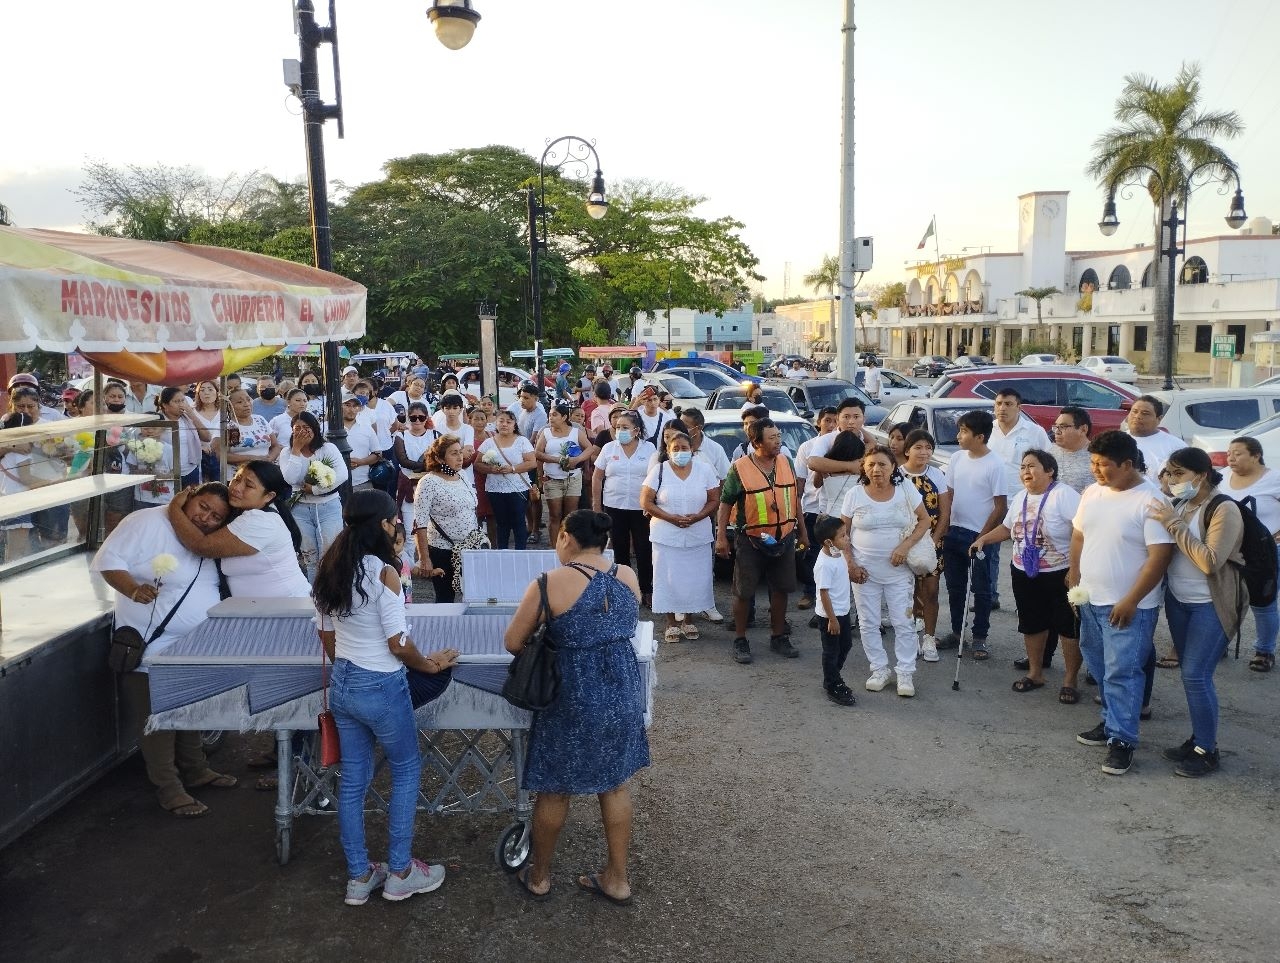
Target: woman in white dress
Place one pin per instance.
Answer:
(444, 522)
(208, 410)
(877, 513)
(563, 450)
(1248, 477)
(680, 496)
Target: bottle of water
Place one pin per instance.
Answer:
(768, 539)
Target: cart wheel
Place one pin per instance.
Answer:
(283, 838)
(512, 851)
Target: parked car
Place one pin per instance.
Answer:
(509, 381)
(667, 364)
(893, 387)
(1197, 410)
(936, 415)
(813, 395)
(1110, 366)
(1266, 431)
(1045, 390)
(1272, 382)
(706, 379)
(930, 366)
(971, 361)
(776, 399)
(684, 393)
(1035, 359)
(724, 427)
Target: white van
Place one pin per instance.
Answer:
(1192, 411)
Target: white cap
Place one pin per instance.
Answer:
(351, 369)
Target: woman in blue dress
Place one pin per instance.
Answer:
(592, 739)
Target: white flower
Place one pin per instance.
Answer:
(321, 473)
(163, 564)
(491, 457)
(1078, 595)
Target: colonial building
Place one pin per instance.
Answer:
(1228, 285)
(690, 330)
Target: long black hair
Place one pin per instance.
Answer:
(312, 422)
(269, 476)
(338, 581)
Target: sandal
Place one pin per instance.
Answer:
(1262, 661)
(1168, 662)
(184, 807)
(218, 780)
(690, 630)
(672, 634)
(1026, 684)
(522, 880)
(1068, 696)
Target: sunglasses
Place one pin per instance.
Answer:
(417, 417)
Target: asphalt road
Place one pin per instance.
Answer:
(956, 826)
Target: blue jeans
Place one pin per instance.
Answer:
(1267, 620)
(374, 707)
(1200, 641)
(319, 523)
(508, 516)
(1116, 658)
(955, 564)
(992, 552)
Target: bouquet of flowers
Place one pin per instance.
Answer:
(492, 458)
(570, 449)
(55, 447)
(147, 451)
(84, 453)
(320, 473)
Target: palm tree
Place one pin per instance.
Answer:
(1037, 295)
(826, 278)
(1162, 127)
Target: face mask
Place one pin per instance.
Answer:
(682, 458)
(625, 436)
(116, 408)
(363, 399)
(313, 391)
(1184, 490)
(266, 393)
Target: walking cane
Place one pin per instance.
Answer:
(966, 624)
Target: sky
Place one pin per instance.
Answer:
(959, 107)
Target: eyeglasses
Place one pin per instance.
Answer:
(417, 417)
(1057, 426)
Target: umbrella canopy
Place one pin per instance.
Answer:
(166, 312)
(311, 351)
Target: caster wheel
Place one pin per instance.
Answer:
(512, 850)
(283, 840)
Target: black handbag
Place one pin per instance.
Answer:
(127, 643)
(533, 678)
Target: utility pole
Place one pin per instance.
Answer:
(844, 350)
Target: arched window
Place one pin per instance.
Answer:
(1119, 279)
(1090, 276)
(1148, 274)
(1194, 271)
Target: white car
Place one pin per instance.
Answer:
(893, 387)
(1267, 432)
(1191, 411)
(684, 393)
(704, 377)
(509, 381)
(1110, 366)
(1041, 359)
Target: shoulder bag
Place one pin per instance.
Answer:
(330, 745)
(533, 678)
(922, 557)
(127, 643)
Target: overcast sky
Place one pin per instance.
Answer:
(960, 106)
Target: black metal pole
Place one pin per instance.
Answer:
(315, 112)
(1171, 253)
(535, 287)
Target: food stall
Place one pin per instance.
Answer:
(165, 313)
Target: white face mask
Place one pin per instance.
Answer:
(1184, 490)
(682, 458)
(625, 436)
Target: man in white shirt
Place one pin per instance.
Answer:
(1012, 436)
(871, 379)
(797, 372)
(1143, 423)
(140, 399)
(809, 504)
(366, 446)
(1119, 554)
(645, 403)
(851, 415)
(975, 500)
(704, 448)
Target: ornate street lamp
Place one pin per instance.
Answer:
(575, 155)
(455, 22)
(1167, 240)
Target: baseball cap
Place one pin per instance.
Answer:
(349, 396)
(24, 378)
(70, 394)
(352, 369)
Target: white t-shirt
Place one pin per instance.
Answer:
(1117, 531)
(294, 468)
(875, 528)
(1265, 492)
(797, 374)
(681, 496)
(653, 425)
(811, 500)
(1186, 581)
(272, 572)
(282, 429)
(514, 454)
(361, 637)
(415, 446)
(831, 573)
(1156, 449)
(255, 437)
(364, 442)
(871, 381)
(1013, 445)
(131, 547)
(712, 454)
(554, 445)
(833, 491)
(379, 421)
(974, 484)
(1052, 525)
(624, 475)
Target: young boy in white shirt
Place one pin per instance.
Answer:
(831, 581)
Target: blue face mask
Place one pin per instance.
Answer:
(682, 458)
(363, 399)
(625, 436)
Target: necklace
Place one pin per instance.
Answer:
(447, 471)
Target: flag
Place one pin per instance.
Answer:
(927, 234)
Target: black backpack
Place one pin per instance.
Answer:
(1258, 548)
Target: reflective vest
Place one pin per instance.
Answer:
(765, 507)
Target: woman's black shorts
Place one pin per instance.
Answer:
(1042, 603)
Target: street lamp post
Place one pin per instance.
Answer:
(455, 22)
(1172, 196)
(576, 153)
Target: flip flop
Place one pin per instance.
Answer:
(1169, 662)
(591, 884)
(218, 780)
(522, 879)
(1026, 684)
(186, 808)
(1068, 696)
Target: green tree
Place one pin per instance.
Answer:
(1037, 295)
(1162, 127)
(888, 295)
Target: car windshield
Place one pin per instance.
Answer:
(677, 387)
(830, 395)
(730, 435)
(1114, 361)
(775, 399)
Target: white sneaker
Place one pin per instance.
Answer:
(906, 688)
(879, 679)
(929, 648)
(712, 615)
